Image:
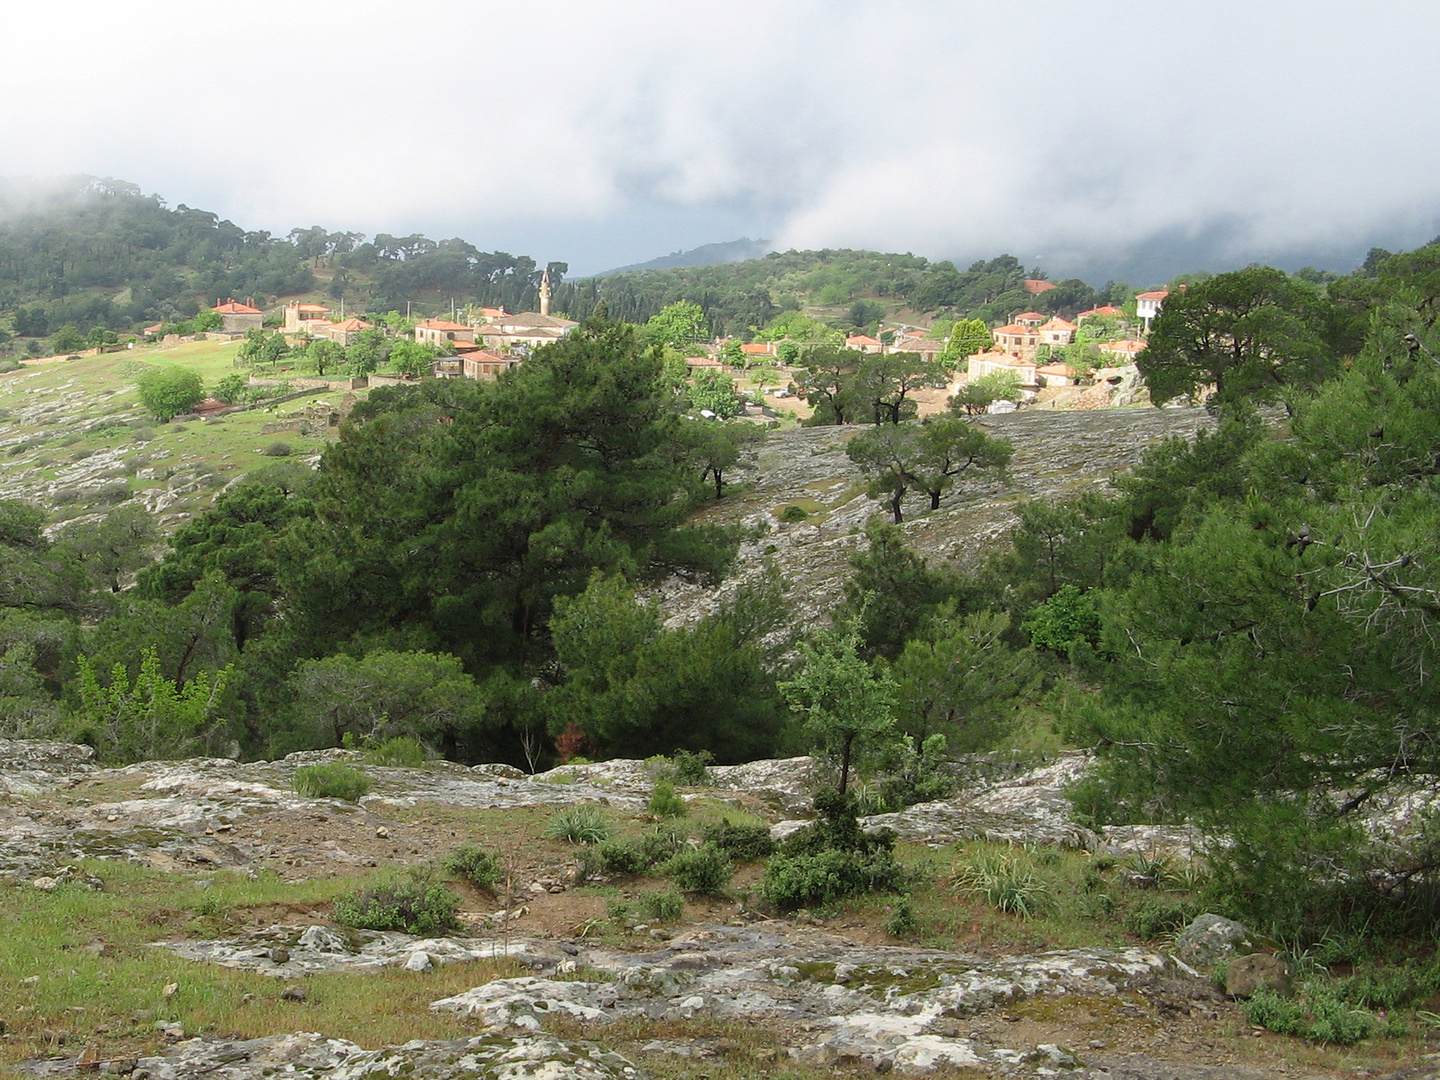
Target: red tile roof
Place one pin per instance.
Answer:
(441, 324)
(1058, 323)
(758, 348)
(1013, 329)
(311, 307)
(230, 307)
(1035, 286)
(1030, 315)
(1123, 346)
(352, 324)
(1158, 294)
(860, 339)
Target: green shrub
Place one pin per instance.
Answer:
(796, 881)
(665, 803)
(743, 843)
(278, 448)
(901, 922)
(1007, 882)
(663, 905)
(829, 859)
(1157, 916)
(1320, 1014)
(700, 870)
(331, 781)
(623, 858)
(403, 751)
(579, 825)
(480, 868)
(693, 769)
(619, 909)
(1392, 987)
(794, 514)
(416, 907)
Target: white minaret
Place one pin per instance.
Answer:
(545, 291)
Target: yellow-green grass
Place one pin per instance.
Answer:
(99, 979)
(95, 409)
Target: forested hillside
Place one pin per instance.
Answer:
(90, 256)
(98, 255)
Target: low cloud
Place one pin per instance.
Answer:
(1072, 135)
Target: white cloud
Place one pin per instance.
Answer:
(957, 127)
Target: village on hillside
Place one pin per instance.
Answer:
(1034, 359)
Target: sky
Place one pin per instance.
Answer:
(1098, 139)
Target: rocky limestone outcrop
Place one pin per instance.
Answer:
(311, 1056)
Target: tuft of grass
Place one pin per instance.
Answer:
(332, 780)
(579, 825)
(1006, 881)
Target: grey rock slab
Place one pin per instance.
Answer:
(881, 1005)
(311, 1056)
(323, 949)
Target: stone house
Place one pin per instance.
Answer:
(236, 318)
(1016, 340)
(1057, 332)
(306, 318)
(441, 331)
(864, 343)
(486, 366)
(343, 333)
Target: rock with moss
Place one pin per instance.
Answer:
(1212, 940)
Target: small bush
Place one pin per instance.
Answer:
(829, 859)
(416, 907)
(1158, 916)
(701, 870)
(623, 859)
(665, 803)
(278, 448)
(579, 825)
(796, 881)
(693, 769)
(480, 868)
(665, 905)
(619, 909)
(1320, 1014)
(901, 922)
(793, 514)
(331, 781)
(743, 843)
(404, 751)
(112, 493)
